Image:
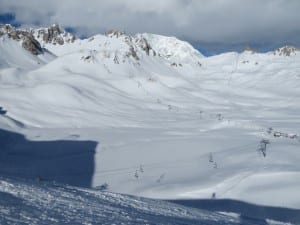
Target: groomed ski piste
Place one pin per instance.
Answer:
(149, 116)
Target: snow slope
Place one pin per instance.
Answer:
(14, 56)
(35, 203)
(159, 130)
(174, 50)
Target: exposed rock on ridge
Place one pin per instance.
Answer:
(54, 35)
(27, 39)
(286, 51)
(135, 43)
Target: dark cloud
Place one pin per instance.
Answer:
(200, 21)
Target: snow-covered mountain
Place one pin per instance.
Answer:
(149, 115)
(176, 51)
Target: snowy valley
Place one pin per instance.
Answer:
(149, 116)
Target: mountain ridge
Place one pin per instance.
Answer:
(170, 48)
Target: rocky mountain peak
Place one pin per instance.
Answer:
(286, 51)
(115, 33)
(5, 28)
(54, 34)
(135, 43)
(175, 51)
(25, 37)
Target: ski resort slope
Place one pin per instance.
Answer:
(153, 120)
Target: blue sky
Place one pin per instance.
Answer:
(211, 26)
(8, 18)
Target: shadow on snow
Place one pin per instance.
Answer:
(65, 161)
(248, 212)
(2, 111)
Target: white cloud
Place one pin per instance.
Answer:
(225, 21)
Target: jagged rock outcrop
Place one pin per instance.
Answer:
(28, 41)
(5, 29)
(54, 35)
(286, 51)
(115, 33)
(32, 45)
(144, 44)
